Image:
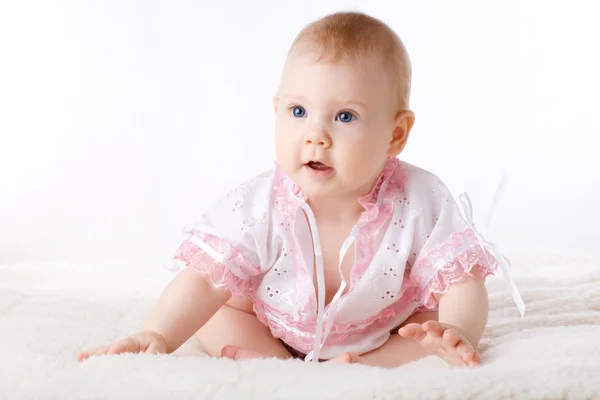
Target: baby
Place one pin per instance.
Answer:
(342, 252)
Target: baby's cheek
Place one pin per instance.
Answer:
(366, 156)
(283, 146)
(362, 168)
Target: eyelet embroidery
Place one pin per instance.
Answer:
(279, 295)
(251, 222)
(393, 248)
(398, 223)
(237, 205)
(389, 271)
(285, 251)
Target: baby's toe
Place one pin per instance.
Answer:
(229, 351)
(345, 358)
(239, 353)
(354, 358)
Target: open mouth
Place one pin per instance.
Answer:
(318, 166)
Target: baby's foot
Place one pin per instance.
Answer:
(444, 341)
(345, 358)
(239, 353)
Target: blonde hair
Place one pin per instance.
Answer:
(353, 36)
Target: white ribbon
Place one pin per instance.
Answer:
(319, 340)
(320, 281)
(314, 354)
(503, 262)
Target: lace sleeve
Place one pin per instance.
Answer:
(449, 249)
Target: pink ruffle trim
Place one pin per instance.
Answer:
(193, 256)
(457, 271)
(340, 332)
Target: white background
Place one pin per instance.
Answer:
(121, 120)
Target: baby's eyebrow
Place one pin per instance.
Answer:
(354, 103)
(299, 99)
(338, 103)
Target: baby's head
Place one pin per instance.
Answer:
(343, 101)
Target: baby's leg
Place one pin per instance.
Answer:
(235, 327)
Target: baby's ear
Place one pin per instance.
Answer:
(275, 103)
(403, 123)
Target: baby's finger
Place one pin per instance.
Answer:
(451, 337)
(101, 351)
(434, 328)
(154, 349)
(465, 350)
(94, 352)
(476, 360)
(127, 345)
(472, 360)
(84, 355)
(412, 331)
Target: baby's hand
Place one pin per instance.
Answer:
(142, 342)
(444, 341)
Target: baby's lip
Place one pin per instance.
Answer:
(317, 165)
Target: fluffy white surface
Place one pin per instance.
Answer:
(49, 312)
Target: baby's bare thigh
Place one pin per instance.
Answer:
(236, 324)
(242, 304)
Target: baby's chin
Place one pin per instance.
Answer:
(316, 191)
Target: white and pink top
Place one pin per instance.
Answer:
(410, 242)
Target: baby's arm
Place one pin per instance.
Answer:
(185, 305)
(452, 333)
(461, 320)
(465, 307)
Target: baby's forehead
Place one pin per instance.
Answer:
(367, 66)
(337, 85)
(368, 70)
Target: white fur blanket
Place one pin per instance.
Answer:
(49, 312)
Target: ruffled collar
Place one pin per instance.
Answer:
(376, 195)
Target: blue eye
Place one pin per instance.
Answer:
(345, 117)
(298, 112)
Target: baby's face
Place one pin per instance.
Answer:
(334, 124)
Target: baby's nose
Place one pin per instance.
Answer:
(318, 137)
(321, 142)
